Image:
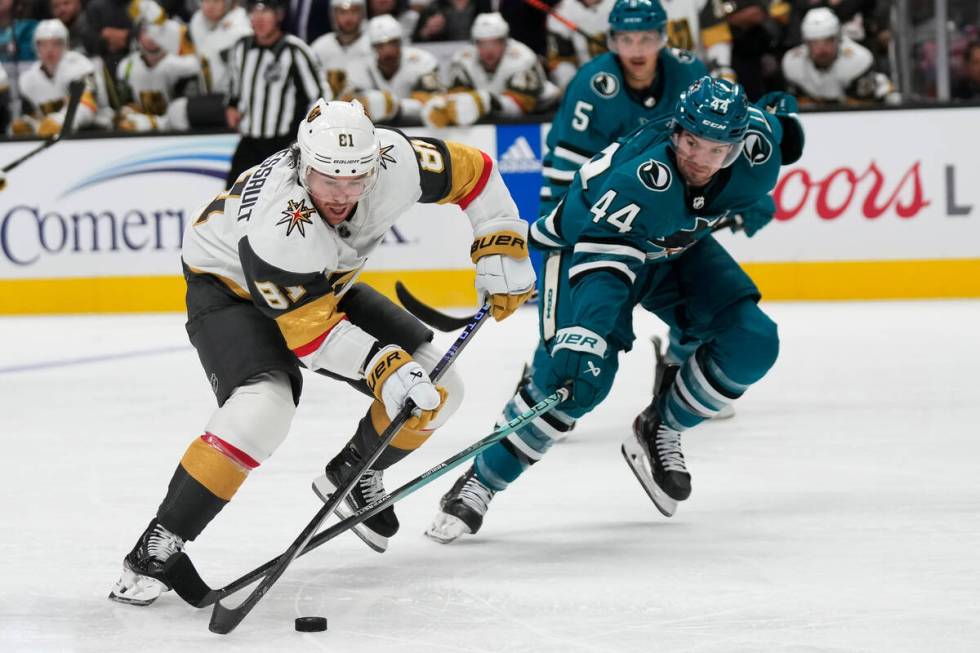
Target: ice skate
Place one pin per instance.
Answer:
(376, 530)
(653, 452)
(461, 509)
(142, 581)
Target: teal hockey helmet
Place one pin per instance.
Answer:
(715, 109)
(637, 16)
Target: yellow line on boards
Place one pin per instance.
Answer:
(829, 280)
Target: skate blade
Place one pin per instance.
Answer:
(446, 529)
(637, 460)
(323, 488)
(132, 585)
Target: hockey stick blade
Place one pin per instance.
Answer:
(225, 619)
(435, 319)
(200, 595)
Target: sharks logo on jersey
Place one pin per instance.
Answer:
(605, 84)
(654, 175)
(757, 148)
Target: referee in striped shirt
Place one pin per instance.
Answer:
(274, 80)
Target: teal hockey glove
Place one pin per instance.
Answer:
(578, 356)
(756, 216)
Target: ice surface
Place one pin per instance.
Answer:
(838, 511)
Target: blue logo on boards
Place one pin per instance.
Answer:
(519, 161)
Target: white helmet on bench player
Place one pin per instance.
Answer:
(337, 139)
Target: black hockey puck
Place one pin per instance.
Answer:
(311, 624)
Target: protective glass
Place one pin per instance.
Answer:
(705, 152)
(339, 190)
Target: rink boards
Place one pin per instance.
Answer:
(882, 205)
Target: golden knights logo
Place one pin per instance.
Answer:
(384, 158)
(314, 112)
(605, 84)
(297, 216)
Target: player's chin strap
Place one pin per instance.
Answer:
(181, 575)
(447, 323)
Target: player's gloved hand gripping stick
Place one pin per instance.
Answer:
(180, 571)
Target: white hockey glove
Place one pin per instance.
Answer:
(503, 270)
(394, 377)
(462, 109)
(380, 106)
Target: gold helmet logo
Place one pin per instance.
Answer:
(314, 112)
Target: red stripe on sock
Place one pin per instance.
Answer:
(484, 176)
(313, 345)
(229, 450)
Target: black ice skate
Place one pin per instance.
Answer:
(462, 509)
(375, 530)
(654, 454)
(142, 580)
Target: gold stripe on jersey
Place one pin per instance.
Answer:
(468, 171)
(715, 34)
(525, 101)
(214, 470)
(88, 100)
(305, 324)
(217, 205)
(232, 286)
(406, 439)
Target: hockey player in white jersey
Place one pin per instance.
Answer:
(494, 76)
(214, 29)
(43, 88)
(154, 81)
(270, 266)
(569, 50)
(701, 26)
(829, 68)
(339, 49)
(397, 79)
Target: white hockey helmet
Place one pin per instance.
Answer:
(337, 139)
(820, 23)
(51, 29)
(384, 28)
(347, 4)
(489, 26)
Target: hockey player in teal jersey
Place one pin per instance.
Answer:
(635, 229)
(616, 92)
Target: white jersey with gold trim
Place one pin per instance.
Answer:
(213, 43)
(834, 83)
(153, 89)
(264, 239)
(47, 96)
(700, 26)
(564, 61)
(336, 58)
(519, 83)
(416, 78)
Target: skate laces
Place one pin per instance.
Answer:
(161, 544)
(372, 487)
(668, 443)
(476, 494)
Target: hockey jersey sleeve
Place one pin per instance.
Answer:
(454, 173)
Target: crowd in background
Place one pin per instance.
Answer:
(172, 64)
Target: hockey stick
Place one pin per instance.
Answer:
(75, 90)
(537, 4)
(447, 323)
(192, 588)
(225, 619)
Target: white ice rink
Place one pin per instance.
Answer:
(839, 511)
